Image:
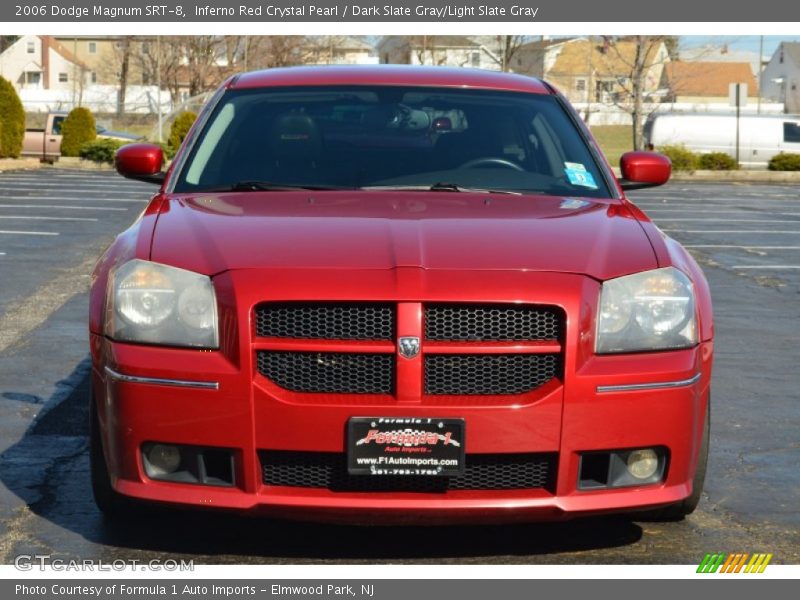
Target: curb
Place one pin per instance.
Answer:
(14, 164)
(743, 176)
(73, 162)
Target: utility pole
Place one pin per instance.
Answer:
(158, 86)
(760, 67)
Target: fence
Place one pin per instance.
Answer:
(139, 99)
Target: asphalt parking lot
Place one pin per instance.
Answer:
(54, 223)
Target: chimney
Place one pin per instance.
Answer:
(45, 60)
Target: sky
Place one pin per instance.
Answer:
(739, 42)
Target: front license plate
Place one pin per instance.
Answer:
(405, 446)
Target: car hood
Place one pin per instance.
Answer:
(212, 233)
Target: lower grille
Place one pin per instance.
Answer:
(328, 470)
(488, 374)
(329, 372)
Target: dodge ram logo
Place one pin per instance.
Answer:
(409, 347)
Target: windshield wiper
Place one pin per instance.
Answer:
(266, 186)
(439, 187)
(454, 187)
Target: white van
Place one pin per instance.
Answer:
(760, 136)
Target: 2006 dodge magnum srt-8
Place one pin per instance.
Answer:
(397, 294)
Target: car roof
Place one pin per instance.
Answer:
(406, 75)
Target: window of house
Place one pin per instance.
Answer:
(94, 77)
(31, 47)
(580, 85)
(33, 78)
(791, 132)
(92, 47)
(63, 78)
(476, 59)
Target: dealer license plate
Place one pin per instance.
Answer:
(405, 446)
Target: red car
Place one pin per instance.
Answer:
(397, 294)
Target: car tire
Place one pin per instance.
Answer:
(111, 503)
(680, 510)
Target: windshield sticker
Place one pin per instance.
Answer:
(575, 166)
(580, 177)
(573, 204)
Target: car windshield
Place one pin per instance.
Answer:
(391, 137)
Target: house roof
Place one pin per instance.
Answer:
(581, 57)
(707, 78)
(436, 41)
(63, 51)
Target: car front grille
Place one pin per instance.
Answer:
(488, 374)
(329, 372)
(467, 349)
(491, 323)
(326, 321)
(328, 470)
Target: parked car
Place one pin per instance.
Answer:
(46, 143)
(397, 294)
(760, 136)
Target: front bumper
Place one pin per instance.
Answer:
(586, 411)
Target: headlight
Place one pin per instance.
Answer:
(654, 310)
(157, 304)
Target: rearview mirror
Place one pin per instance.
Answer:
(142, 162)
(643, 170)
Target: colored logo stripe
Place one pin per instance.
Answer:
(734, 563)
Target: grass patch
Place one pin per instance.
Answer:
(614, 140)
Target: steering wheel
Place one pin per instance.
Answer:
(491, 160)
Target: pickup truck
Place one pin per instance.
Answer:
(46, 143)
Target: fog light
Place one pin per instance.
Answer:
(163, 459)
(642, 464)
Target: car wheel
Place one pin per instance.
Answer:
(679, 510)
(111, 503)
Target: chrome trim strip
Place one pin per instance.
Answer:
(648, 386)
(204, 385)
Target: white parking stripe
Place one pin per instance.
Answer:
(771, 267)
(62, 207)
(40, 218)
(74, 198)
(10, 232)
(704, 220)
(108, 186)
(731, 231)
(741, 247)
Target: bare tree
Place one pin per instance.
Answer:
(633, 61)
(124, 70)
(508, 47)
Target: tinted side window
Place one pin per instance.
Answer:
(791, 132)
(57, 125)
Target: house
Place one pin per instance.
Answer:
(706, 82)
(103, 56)
(438, 50)
(780, 80)
(597, 70)
(723, 53)
(41, 62)
(341, 50)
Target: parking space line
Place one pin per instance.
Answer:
(73, 198)
(711, 231)
(741, 247)
(771, 267)
(705, 220)
(40, 218)
(63, 207)
(14, 232)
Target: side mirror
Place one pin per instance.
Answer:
(142, 162)
(643, 170)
